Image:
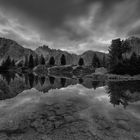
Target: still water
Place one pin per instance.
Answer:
(59, 108)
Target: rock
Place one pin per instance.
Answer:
(101, 70)
(3, 136)
(69, 118)
(123, 125)
(136, 137)
(58, 123)
(45, 138)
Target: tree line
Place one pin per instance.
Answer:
(122, 60)
(32, 61)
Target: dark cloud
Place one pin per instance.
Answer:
(50, 12)
(67, 22)
(54, 13)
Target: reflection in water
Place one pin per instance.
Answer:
(79, 111)
(42, 80)
(52, 80)
(31, 80)
(71, 113)
(80, 81)
(63, 82)
(8, 76)
(123, 92)
(95, 84)
(36, 80)
(120, 93)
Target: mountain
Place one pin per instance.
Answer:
(88, 55)
(11, 48)
(70, 58)
(17, 52)
(48, 52)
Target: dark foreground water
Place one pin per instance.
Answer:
(58, 108)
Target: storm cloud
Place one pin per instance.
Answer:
(70, 25)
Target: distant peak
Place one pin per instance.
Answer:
(44, 47)
(8, 41)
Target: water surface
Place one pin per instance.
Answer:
(59, 108)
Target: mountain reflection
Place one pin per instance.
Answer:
(120, 93)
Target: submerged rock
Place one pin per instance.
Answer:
(123, 125)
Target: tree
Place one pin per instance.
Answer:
(95, 61)
(125, 47)
(63, 60)
(42, 60)
(81, 62)
(6, 63)
(133, 64)
(104, 61)
(52, 61)
(133, 59)
(26, 62)
(31, 62)
(115, 54)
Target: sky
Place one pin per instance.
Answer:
(71, 25)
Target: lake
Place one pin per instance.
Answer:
(61, 108)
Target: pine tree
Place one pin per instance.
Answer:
(42, 60)
(95, 61)
(31, 61)
(125, 48)
(104, 61)
(133, 64)
(63, 60)
(81, 62)
(26, 63)
(6, 63)
(115, 54)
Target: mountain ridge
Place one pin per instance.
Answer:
(17, 52)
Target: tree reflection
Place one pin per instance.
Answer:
(42, 80)
(52, 80)
(31, 80)
(81, 81)
(63, 82)
(8, 76)
(36, 80)
(95, 84)
(123, 92)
